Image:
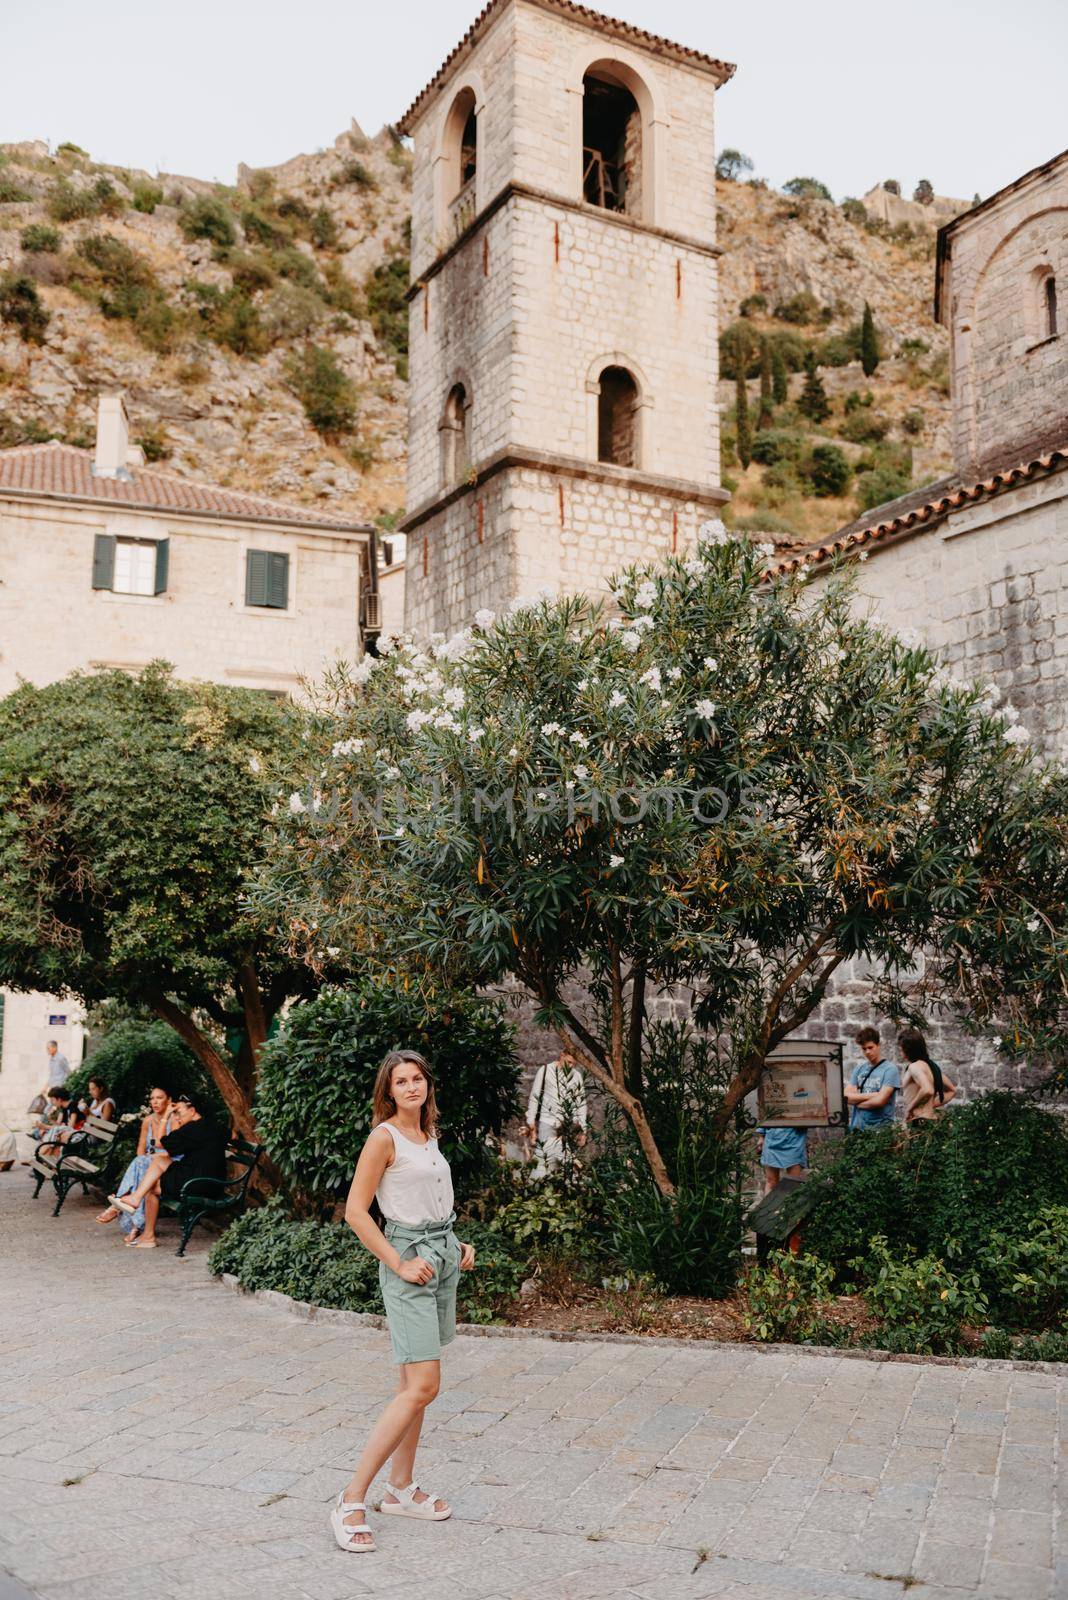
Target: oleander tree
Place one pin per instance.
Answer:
(729, 783)
(133, 809)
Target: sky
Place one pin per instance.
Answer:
(967, 95)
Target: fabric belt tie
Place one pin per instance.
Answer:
(433, 1239)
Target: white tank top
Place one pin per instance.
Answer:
(418, 1186)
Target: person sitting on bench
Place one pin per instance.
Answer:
(199, 1141)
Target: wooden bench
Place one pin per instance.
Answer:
(77, 1160)
(213, 1197)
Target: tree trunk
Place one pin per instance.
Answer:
(633, 1109)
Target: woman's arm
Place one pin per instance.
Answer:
(142, 1143)
(375, 1157)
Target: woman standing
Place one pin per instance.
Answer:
(420, 1260)
(153, 1128)
(926, 1087)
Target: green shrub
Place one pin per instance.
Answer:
(292, 312)
(262, 228)
(354, 172)
(68, 203)
(313, 1102)
(855, 401)
(854, 211)
(231, 319)
(800, 308)
(387, 309)
(69, 148)
(324, 230)
(294, 264)
(251, 271)
(772, 445)
(109, 202)
(12, 193)
(146, 197)
(884, 484)
(125, 287)
(209, 217)
(1026, 1274)
(40, 239)
(544, 1218)
(752, 304)
(21, 308)
(786, 1299)
(328, 396)
(828, 470)
(922, 1305)
(135, 1057)
(154, 442)
(913, 423)
(864, 427)
(325, 1264)
(807, 189)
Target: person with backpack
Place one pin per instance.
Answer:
(926, 1087)
(873, 1087)
(557, 1107)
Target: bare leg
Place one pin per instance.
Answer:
(771, 1179)
(156, 1168)
(151, 1217)
(794, 1171)
(421, 1382)
(403, 1464)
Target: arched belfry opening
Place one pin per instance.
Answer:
(617, 418)
(454, 450)
(1048, 307)
(459, 147)
(612, 142)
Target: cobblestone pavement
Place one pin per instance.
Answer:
(162, 1436)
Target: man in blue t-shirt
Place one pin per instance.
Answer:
(873, 1086)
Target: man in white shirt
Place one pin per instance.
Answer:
(557, 1102)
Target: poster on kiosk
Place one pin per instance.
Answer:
(800, 1087)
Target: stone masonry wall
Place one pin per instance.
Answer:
(1009, 380)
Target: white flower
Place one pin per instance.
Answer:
(645, 596)
(296, 804)
(386, 643)
(694, 568)
(615, 622)
(1010, 714)
(549, 728)
(363, 669)
(437, 637)
(570, 784)
(1016, 735)
(581, 740)
(416, 719)
(766, 550)
(347, 747)
(674, 673)
(615, 861)
(445, 719)
(485, 618)
(652, 678)
(630, 640)
(392, 772)
(862, 555)
(642, 624)
(513, 752)
(711, 663)
(475, 734)
(713, 532)
(617, 699)
(453, 698)
(705, 709)
(420, 662)
(582, 773)
(254, 765)
(333, 951)
(399, 833)
(1034, 925)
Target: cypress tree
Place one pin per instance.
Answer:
(764, 415)
(813, 401)
(869, 344)
(743, 430)
(780, 383)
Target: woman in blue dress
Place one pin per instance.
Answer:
(153, 1129)
(782, 1150)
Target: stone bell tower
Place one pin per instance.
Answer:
(563, 333)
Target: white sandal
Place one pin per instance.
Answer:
(409, 1506)
(345, 1532)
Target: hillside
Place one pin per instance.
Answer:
(259, 330)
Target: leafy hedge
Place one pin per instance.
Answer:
(313, 1102)
(325, 1264)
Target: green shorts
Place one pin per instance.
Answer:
(421, 1316)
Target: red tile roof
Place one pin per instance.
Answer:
(62, 471)
(913, 511)
(721, 70)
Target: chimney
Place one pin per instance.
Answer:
(112, 437)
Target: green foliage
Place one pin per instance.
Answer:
(731, 166)
(313, 1104)
(999, 1345)
(544, 1220)
(1026, 1274)
(40, 238)
(134, 1057)
(146, 197)
(752, 305)
(209, 217)
(807, 189)
(828, 470)
(69, 148)
(325, 1264)
(324, 230)
(863, 426)
(869, 343)
(854, 211)
(813, 401)
(801, 308)
(387, 309)
(154, 442)
(289, 262)
(355, 174)
(231, 318)
(328, 396)
(780, 384)
(251, 270)
(67, 202)
(125, 288)
(786, 1299)
(921, 1304)
(913, 423)
(743, 435)
(772, 445)
(12, 193)
(885, 483)
(21, 308)
(292, 312)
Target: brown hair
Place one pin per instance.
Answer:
(384, 1104)
(868, 1036)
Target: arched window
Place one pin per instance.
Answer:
(1049, 306)
(460, 148)
(617, 418)
(453, 426)
(611, 144)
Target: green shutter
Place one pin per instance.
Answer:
(163, 551)
(104, 561)
(256, 578)
(278, 580)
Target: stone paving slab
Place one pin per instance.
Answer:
(161, 1436)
